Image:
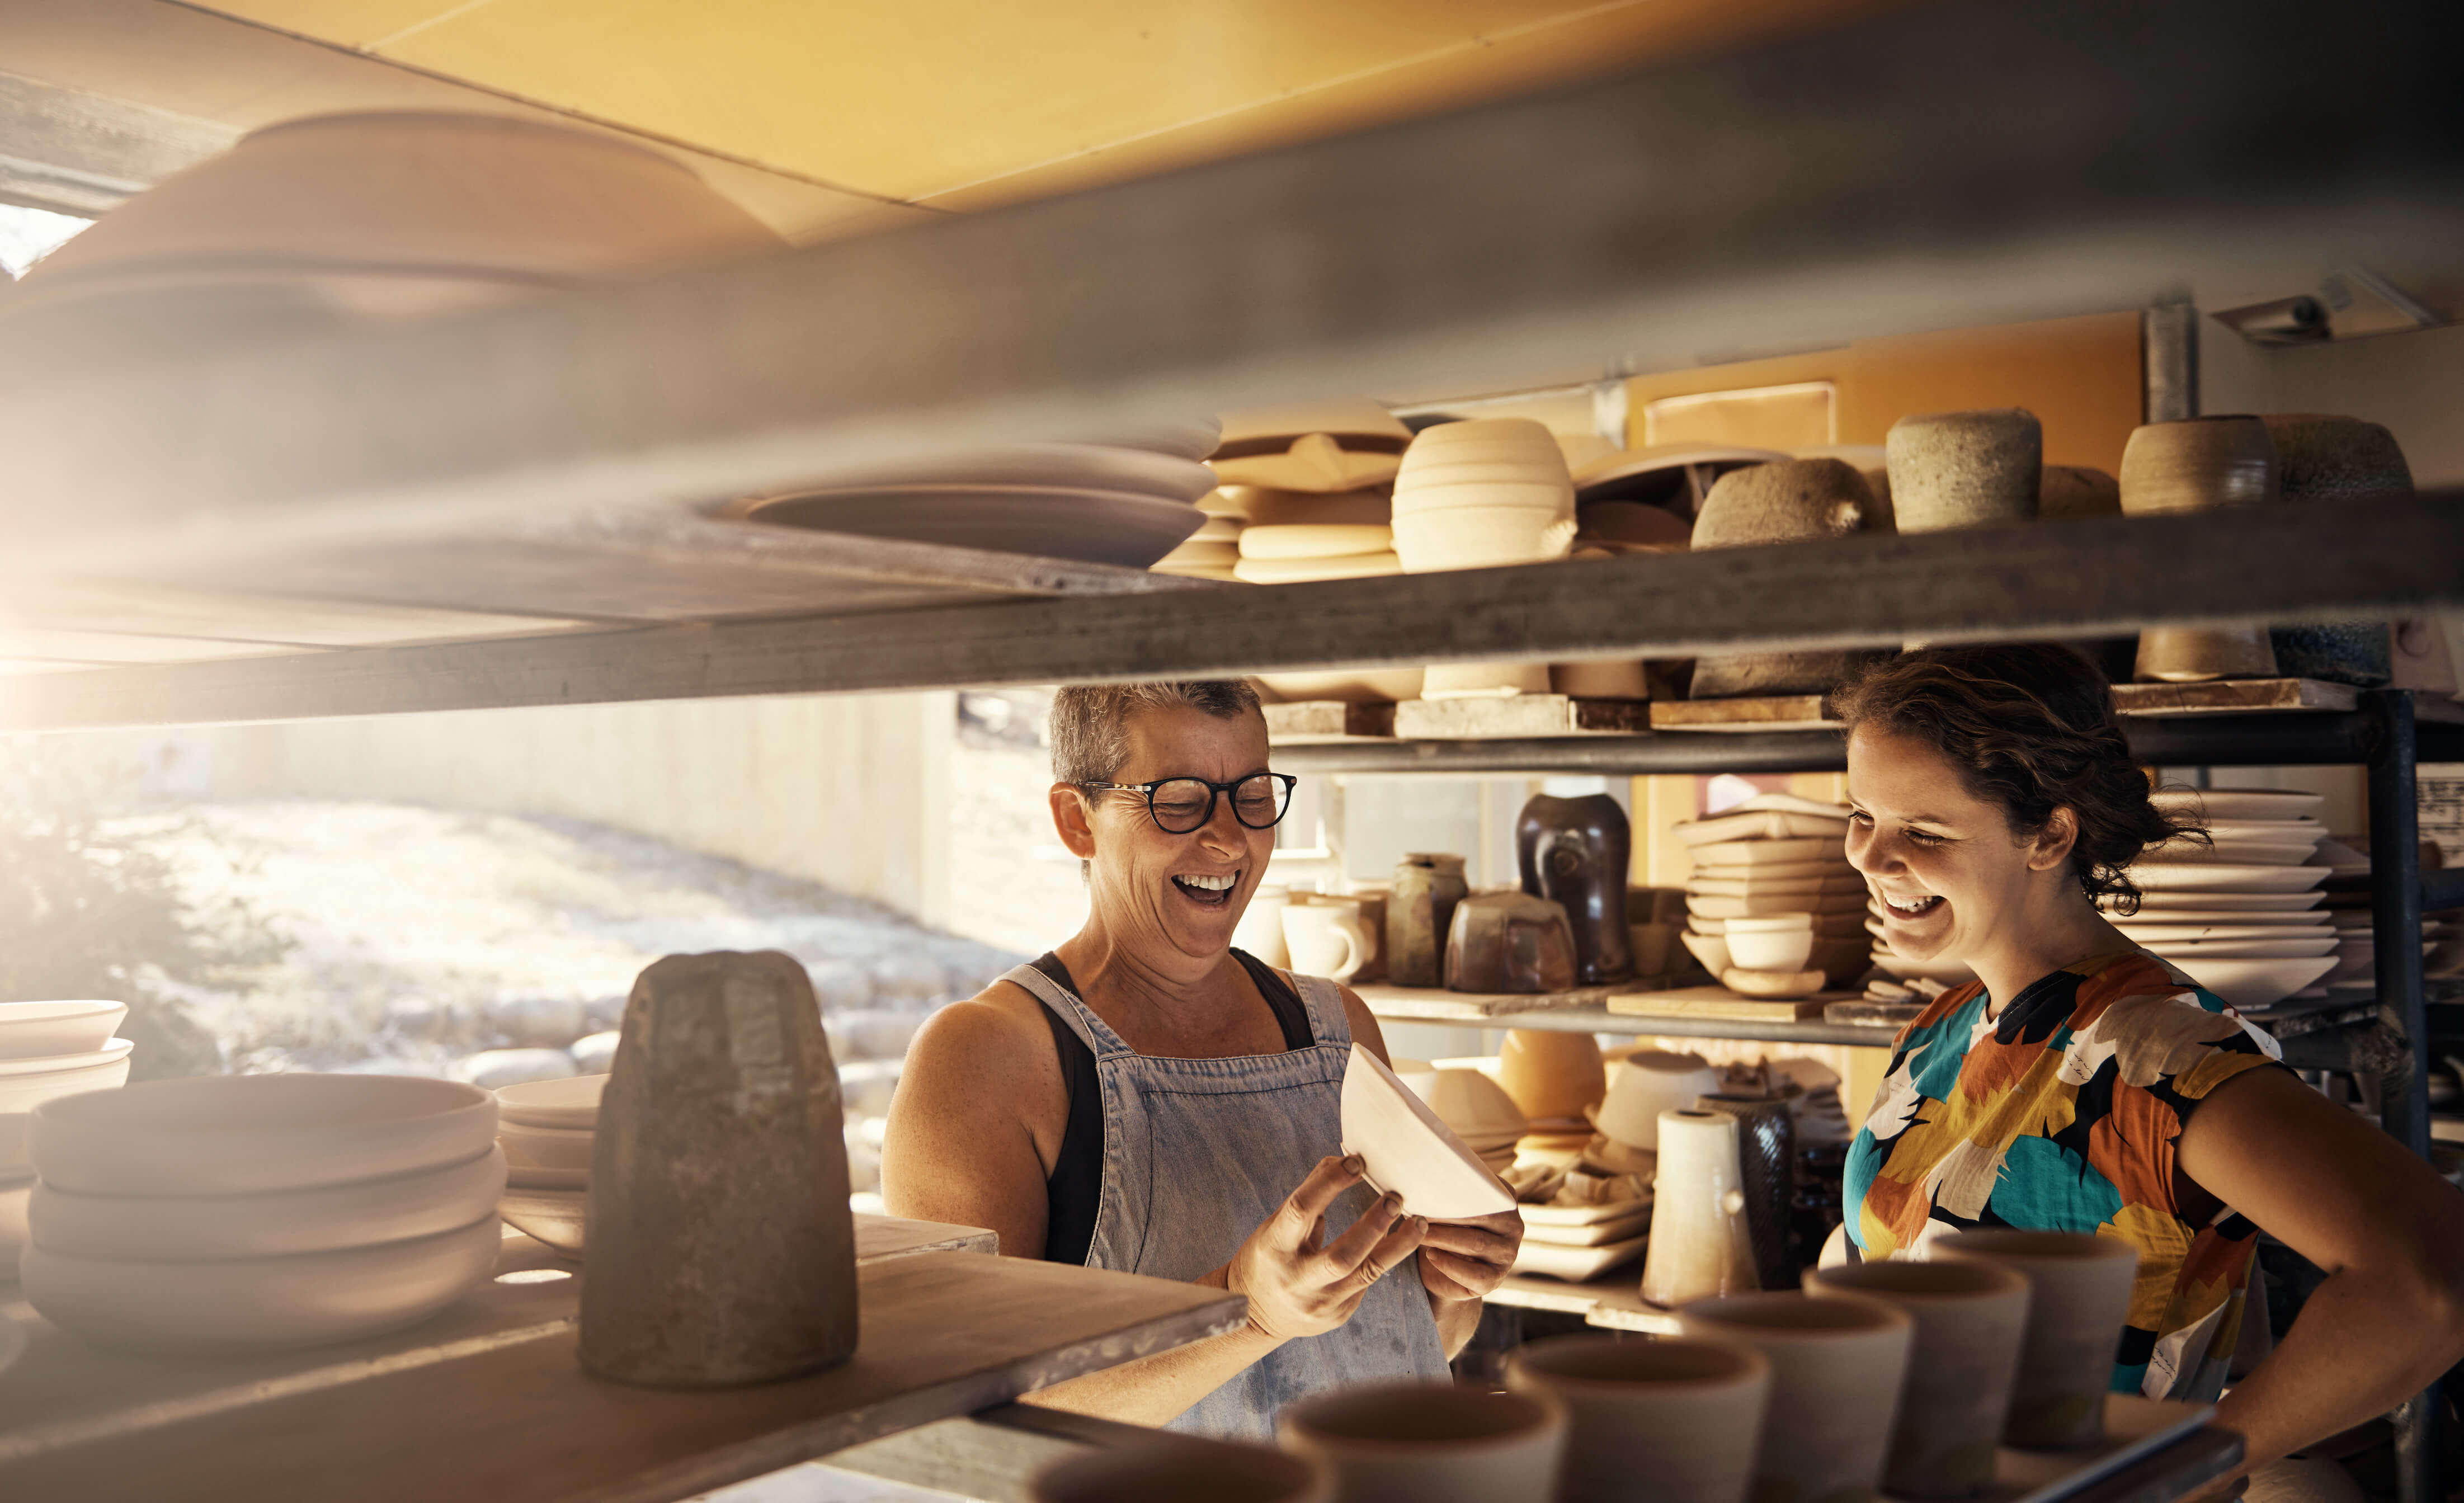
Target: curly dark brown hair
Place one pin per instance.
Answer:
(2031, 728)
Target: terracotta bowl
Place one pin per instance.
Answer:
(209, 1227)
(2196, 464)
(1552, 1075)
(37, 1029)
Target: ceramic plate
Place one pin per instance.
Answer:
(1043, 521)
(2242, 949)
(1405, 1149)
(2218, 877)
(2252, 984)
(2153, 903)
(35, 1029)
(2254, 852)
(1777, 871)
(1577, 1265)
(2241, 803)
(2309, 830)
(572, 1102)
(1583, 1215)
(2196, 934)
(1761, 853)
(1710, 907)
(1073, 467)
(112, 1053)
(1599, 1234)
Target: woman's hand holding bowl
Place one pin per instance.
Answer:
(1298, 1283)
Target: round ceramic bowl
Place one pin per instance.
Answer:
(1480, 537)
(1521, 496)
(1772, 950)
(570, 1102)
(554, 1216)
(37, 1030)
(307, 1300)
(236, 1135)
(1492, 438)
(208, 1227)
(1467, 1102)
(546, 1147)
(2253, 982)
(1770, 923)
(1646, 1083)
(1712, 950)
(26, 1084)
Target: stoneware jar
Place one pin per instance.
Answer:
(2336, 461)
(1686, 1413)
(1837, 1365)
(2200, 464)
(1419, 913)
(1510, 943)
(2079, 1294)
(1966, 469)
(1700, 1243)
(1575, 853)
(1793, 500)
(1429, 1443)
(1963, 1359)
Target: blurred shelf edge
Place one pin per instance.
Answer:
(1578, 1012)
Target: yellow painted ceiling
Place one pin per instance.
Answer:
(964, 102)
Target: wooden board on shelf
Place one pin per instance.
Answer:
(1866, 1013)
(1437, 1004)
(2233, 696)
(511, 1413)
(1319, 722)
(879, 1237)
(1519, 716)
(1802, 712)
(1718, 1001)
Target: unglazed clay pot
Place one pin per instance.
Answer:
(1420, 914)
(1791, 501)
(1701, 1244)
(2070, 493)
(1184, 1467)
(1966, 469)
(1766, 1174)
(1550, 1074)
(1685, 1413)
(1575, 852)
(1962, 1362)
(2079, 1294)
(1836, 1367)
(2200, 464)
(1510, 943)
(1645, 1083)
(2336, 461)
(1429, 1443)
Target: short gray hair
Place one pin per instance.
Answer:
(1090, 723)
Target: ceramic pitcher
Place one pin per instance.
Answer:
(1420, 912)
(1699, 1238)
(1575, 852)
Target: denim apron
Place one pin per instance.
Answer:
(1197, 1153)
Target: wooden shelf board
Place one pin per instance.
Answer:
(1437, 1004)
(2235, 696)
(1519, 716)
(1720, 1003)
(1403, 1005)
(1328, 722)
(1808, 712)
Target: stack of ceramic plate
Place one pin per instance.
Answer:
(1483, 494)
(227, 1211)
(547, 1129)
(1577, 1243)
(1467, 1098)
(1773, 896)
(1313, 482)
(1214, 547)
(47, 1049)
(2241, 918)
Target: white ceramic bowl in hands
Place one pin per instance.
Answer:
(207, 1228)
(26, 1084)
(571, 1101)
(236, 1135)
(33, 1029)
(1770, 949)
(545, 1147)
(306, 1301)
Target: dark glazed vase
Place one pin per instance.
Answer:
(1575, 852)
(1767, 1159)
(1420, 914)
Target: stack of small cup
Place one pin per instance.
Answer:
(547, 1129)
(1483, 494)
(1774, 908)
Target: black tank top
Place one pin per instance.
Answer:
(1071, 1194)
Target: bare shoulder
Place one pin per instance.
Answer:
(997, 1038)
(1364, 1024)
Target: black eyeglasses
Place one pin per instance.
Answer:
(1182, 805)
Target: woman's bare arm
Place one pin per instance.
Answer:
(2388, 1231)
(982, 1083)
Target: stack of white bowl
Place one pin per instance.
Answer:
(1483, 494)
(47, 1049)
(1214, 547)
(547, 1129)
(1467, 1098)
(1774, 908)
(2240, 916)
(235, 1211)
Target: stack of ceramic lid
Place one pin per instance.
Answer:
(1483, 494)
(1214, 547)
(47, 1049)
(1467, 1098)
(1772, 904)
(2240, 916)
(547, 1129)
(225, 1211)
(1312, 481)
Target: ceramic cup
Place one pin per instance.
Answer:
(1963, 1361)
(1199, 1471)
(2079, 1294)
(1685, 1413)
(1326, 937)
(1429, 1443)
(1550, 1074)
(1646, 1083)
(1700, 1242)
(1837, 1367)
(1965, 469)
(1261, 929)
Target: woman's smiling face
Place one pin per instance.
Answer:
(1951, 874)
(1163, 892)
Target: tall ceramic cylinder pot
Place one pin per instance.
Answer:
(1766, 1165)
(2078, 1295)
(1700, 1245)
(1420, 912)
(1792, 500)
(1955, 470)
(2200, 464)
(1684, 1414)
(1963, 1361)
(1837, 1367)
(2336, 461)
(1575, 852)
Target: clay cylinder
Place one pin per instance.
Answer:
(2078, 1295)
(2336, 461)
(1963, 1359)
(1700, 1245)
(1420, 912)
(721, 1249)
(1766, 1165)
(1966, 469)
(2200, 464)
(1575, 852)
(1787, 501)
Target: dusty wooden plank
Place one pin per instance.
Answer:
(1718, 1002)
(945, 1333)
(1769, 713)
(2232, 696)
(1312, 722)
(1433, 1005)
(1519, 716)
(878, 1237)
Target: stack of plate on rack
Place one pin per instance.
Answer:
(47, 1049)
(1577, 1243)
(1214, 547)
(2241, 918)
(548, 1129)
(1776, 861)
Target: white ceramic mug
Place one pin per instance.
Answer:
(1837, 1367)
(1325, 938)
(2079, 1294)
(1429, 1443)
(1261, 929)
(1962, 1364)
(1685, 1413)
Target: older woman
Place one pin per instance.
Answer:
(1148, 1098)
(2081, 1084)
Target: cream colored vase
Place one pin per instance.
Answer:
(2079, 1294)
(1963, 1361)
(1429, 1443)
(1700, 1243)
(1837, 1365)
(1675, 1419)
